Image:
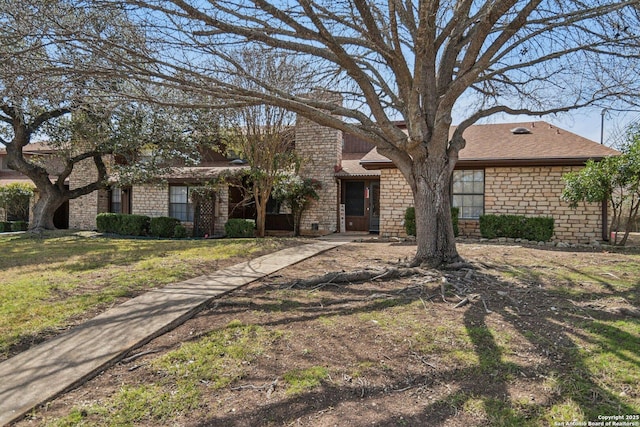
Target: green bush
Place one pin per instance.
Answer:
(163, 226)
(19, 226)
(134, 225)
(108, 223)
(180, 232)
(124, 224)
(410, 221)
(5, 226)
(455, 212)
(537, 229)
(237, 227)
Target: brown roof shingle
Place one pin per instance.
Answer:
(496, 144)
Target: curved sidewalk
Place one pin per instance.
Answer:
(57, 365)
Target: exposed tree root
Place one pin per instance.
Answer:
(367, 275)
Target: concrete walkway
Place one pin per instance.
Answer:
(55, 366)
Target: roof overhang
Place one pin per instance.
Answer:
(488, 163)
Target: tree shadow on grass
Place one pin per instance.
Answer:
(567, 380)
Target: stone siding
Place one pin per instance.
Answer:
(83, 209)
(528, 191)
(536, 191)
(320, 149)
(150, 199)
(395, 198)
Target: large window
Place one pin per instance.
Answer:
(468, 192)
(180, 205)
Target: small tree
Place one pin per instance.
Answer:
(297, 193)
(14, 199)
(615, 180)
(262, 134)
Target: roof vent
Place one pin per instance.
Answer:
(520, 131)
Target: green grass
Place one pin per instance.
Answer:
(201, 366)
(46, 282)
(300, 380)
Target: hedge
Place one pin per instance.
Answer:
(410, 221)
(5, 226)
(237, 227)
(19, 226)
(124, 224)
(538, 229)
(163, 226)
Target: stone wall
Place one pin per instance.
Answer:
(83, 210)
(536, 191)
(395, 198)
(529, 191)
(150, 199)
(320, 149)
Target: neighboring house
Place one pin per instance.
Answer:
(44, 154)
(511, 168)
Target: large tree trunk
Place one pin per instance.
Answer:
(44, 210)
(432, 198)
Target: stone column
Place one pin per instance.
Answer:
(320, 149)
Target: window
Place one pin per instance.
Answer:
(115, 200)
(468, 193)
(120, 200)
(180, 205)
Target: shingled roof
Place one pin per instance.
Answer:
(516, 144)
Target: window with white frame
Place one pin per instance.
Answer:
(180, 205)
(468, 193)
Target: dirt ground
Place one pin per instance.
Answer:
(397, 351)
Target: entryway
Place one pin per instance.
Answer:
(361, 200)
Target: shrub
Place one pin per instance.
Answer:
(19, 226)
(410, 221)
(108, 223)
(455, 212)
(537, 229)
(237, 227)
(134, 225)
(179, 232)
(5, 226)
(163, 226)
(124, 224)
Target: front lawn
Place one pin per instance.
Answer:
(49, 284)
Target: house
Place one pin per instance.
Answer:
(513, 168)
(43, 154)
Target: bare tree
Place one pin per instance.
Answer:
(262, 134)
(416, 61)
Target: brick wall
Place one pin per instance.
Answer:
(536, 191)
(529, 191)
(395, 198)
(320, 149)
(150, 199)
(83, 210)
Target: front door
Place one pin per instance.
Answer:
(361, 205)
